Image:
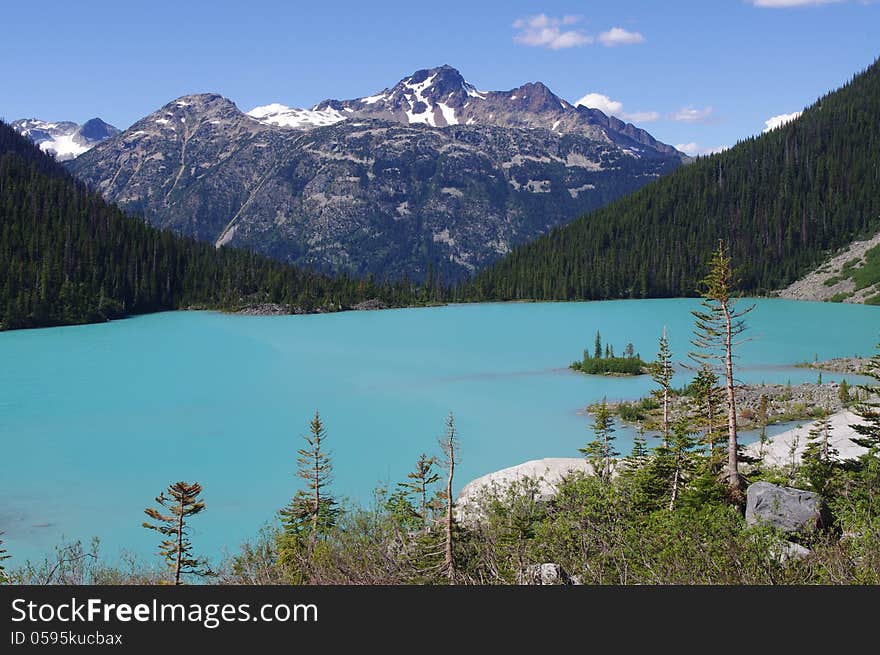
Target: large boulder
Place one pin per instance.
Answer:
(547, 573)
(545, 473)
(793, 511)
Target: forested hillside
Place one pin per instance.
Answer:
(66, 256)
(781, 201)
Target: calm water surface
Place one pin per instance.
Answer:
(96, 420)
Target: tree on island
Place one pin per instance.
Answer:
(716, 328)
(181, 503)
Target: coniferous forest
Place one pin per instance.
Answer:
(781, 200)
(67, 257)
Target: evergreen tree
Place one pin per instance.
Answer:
(681, 458)
(843, 393)
(629, 352)
(600, 452)
(661, 372)
(707, 402)
(869, 409)
(181, 503)
(597, 346)
(716, 329)
(312, 511)
(418, 482)
(818, 462)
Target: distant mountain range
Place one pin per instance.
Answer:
(65, 140)
(431, 175)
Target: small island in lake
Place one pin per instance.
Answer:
(605, 362)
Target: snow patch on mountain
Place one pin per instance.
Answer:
(302, 119)
(64, 139)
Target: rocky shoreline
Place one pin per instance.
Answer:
(784, 403)
(278, 309)
(853, 365)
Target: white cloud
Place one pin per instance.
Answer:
(642, 116)
(785, 4)
(694, 149)
(691, 114)
(619, 36)
(615, 108)
(543, 31)
(601, 102)
(775, 121)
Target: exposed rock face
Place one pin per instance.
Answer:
(547, 573)
(375, 185)
(64, 139)
(838, 279)
(793, 511)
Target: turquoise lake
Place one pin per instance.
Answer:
(96, 420)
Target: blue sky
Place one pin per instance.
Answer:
(698, 72)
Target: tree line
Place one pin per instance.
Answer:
(782, 201)
(672, 513)
(67, 256)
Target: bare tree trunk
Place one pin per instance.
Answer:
(674, 495)
(665, 416)
(317, 499)
(448, 562)
(732, 459)
(179, 543)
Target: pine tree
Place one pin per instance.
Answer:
(597, 346)
(312, 511)
(630, 351)
(681, 456)
(449, 447)
(707, 402)
(600, 452)
(843, 393)
(869, 410)
(662, 372)
(818, 462)
(181, 503)
(716, 329)
(762, 419)
(419, 480)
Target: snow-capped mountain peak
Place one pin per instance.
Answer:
(65, 139)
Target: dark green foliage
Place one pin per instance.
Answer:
(68, 257)
(599, 364)
(312, 511)
(600, 452)
(781, 201)
(637, 411)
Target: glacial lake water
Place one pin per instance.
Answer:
(96, 420)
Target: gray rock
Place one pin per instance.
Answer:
(547, 573)
(378, 191)
(793, 511)
(791, 551)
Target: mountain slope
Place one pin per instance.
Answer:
(364, 190)
(65, 140)
(781, 201)
(66, 256)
